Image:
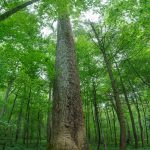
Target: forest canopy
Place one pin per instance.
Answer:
(74, 74)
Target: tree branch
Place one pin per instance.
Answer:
(16, 9)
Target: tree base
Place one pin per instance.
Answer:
(63, 143)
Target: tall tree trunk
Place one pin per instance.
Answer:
(145, 121)
(135, 100)
(140, 121)
(114, 125)
(119, 110)
(8, 90)
(103, 138)
(49, 118)
(94, 136)
(109, 122)
(96, 116)
(39, 130)
(129, 134)
(87, 107)
(129, 107)
(13, 106)
(67, 118)
(27, 121)
(19, 120)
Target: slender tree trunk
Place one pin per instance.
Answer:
(120, 113)
(39, 130)
(10, 83)
(114, 124)
(129, 108)
(129, 134)
(88, 120)
(109, 122)
(13, 106)
(94, 123)
(96, 116)
(140, 121)
(102, 137)
(87, 117)
(19, 121)
(145, 121)
(49, 118)
(107, 126)
(9, 130)
(27, 121)
(67, 118)
(139, 114)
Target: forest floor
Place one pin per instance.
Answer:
(43, 147)
(116, 148)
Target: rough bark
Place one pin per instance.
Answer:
(67, 118)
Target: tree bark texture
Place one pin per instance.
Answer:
(67, 119)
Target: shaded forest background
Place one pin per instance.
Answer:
(113, 61)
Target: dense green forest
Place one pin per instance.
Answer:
(74, 74)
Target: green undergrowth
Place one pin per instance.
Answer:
(43, 147)
(94, 147)
(23, 147)
(114, 148)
